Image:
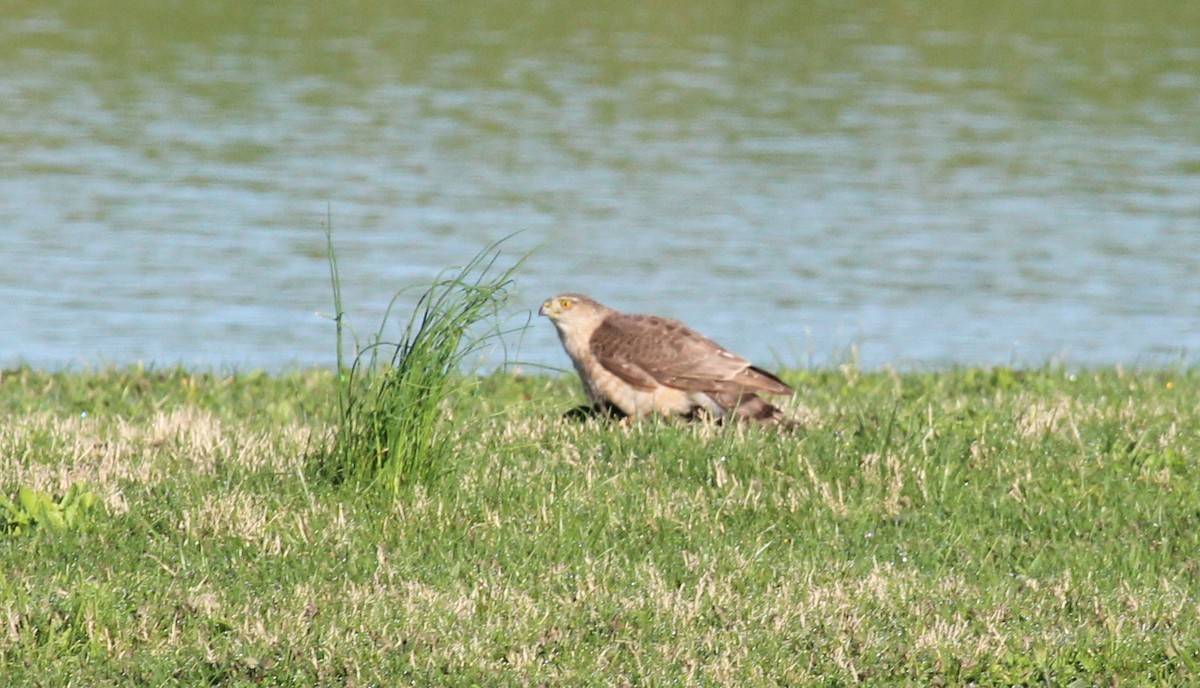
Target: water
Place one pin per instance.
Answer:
(917, 183)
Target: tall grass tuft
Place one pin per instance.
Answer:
(396, 400)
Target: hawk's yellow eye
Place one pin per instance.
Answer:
(564, 303)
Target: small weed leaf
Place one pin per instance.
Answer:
(35, 509)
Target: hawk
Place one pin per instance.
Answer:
(642, 364)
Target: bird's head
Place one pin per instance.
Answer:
(572, 311)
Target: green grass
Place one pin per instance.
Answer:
(993, 527)
(396, 400)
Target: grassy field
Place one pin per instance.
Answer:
(989, 527)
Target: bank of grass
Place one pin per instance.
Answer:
(992, 527)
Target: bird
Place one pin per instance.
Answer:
(647, 364)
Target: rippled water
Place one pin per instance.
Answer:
(926, 182)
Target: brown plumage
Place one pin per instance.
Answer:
(643, 364)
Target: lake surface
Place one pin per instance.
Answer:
(919, 183)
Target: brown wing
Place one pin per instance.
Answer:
(645, 350)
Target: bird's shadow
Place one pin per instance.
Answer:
(587, 412)
(606, 411)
